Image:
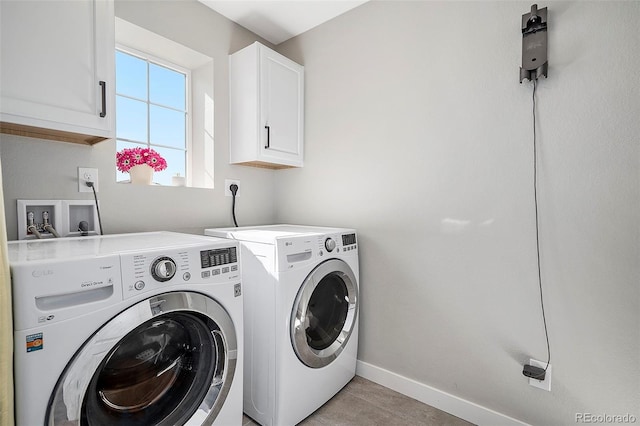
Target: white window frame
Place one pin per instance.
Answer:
(201, 137)
(188, 115)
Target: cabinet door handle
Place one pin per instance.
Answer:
(103, 113)
(268, 136)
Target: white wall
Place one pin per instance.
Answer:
(419, 135)
(36, 169)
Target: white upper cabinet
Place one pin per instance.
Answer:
(266, 109)
(57, 69)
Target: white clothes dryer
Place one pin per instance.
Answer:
(136, 329)
(301, 317)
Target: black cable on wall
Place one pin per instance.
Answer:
(535, 199)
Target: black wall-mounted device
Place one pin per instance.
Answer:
(534, 44)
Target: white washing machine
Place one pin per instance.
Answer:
(136, 329)
(301, 317)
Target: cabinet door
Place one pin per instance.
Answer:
(281, 107)
(58, 65)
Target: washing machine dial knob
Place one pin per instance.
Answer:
(329, 244)
(163, 269)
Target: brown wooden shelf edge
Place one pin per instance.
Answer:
(49, 134)
(265, 165)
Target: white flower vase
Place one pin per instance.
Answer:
(141, 174)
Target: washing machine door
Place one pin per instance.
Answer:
(324, 313)
(168, 360)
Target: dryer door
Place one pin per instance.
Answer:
(324, 313)
(167, 360)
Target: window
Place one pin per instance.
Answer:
(152, 110)
(164, 100)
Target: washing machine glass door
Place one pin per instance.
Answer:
(324, 313)
(165, 361)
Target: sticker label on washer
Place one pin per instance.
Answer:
(34, 342)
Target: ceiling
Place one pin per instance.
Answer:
(278, 21)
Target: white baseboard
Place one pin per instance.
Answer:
(451, 404)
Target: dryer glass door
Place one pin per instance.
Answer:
(324, 313)
(176, 365)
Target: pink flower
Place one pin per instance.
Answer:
(129, 157)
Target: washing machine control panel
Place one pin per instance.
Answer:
(152, 270)
(218, 257)
(296, 251)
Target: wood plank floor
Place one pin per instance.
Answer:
(365, 403)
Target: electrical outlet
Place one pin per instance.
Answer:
(227, 184)
(87, 174)
(542, 384)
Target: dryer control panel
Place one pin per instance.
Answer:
(150, 270)
(298, 250)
